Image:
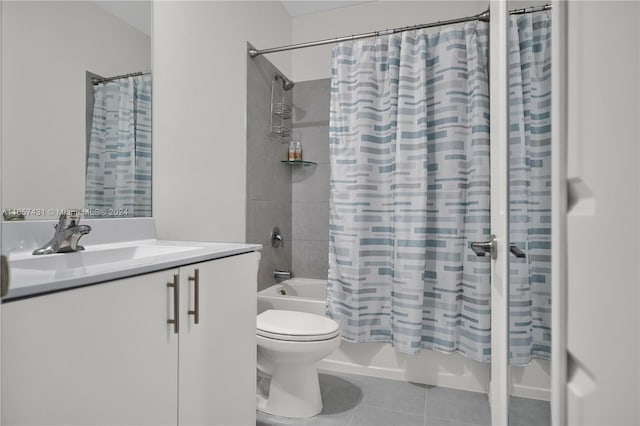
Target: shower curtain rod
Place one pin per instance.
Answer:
(484, 17)
(96, 80)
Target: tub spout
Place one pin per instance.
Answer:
(281, 275)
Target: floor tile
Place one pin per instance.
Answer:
(372, 416)
(339, 394)
(341, 419)
(529, 412)
(458, 406)
(435, 421)
(355, 400)
(394, 395)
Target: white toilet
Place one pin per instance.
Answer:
(289, 345)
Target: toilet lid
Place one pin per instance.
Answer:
(296, 326)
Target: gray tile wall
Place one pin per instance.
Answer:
(268, 181)
(310, 185)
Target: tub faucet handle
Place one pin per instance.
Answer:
(276, 238)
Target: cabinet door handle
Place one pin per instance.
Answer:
(176, 303)
(196, 299)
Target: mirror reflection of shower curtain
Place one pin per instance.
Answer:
(530, 186)
(118, 180)
(409, 189)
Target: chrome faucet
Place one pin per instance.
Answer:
(66, 236)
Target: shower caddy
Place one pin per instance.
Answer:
(281, 115)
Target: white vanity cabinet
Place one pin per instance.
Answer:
(105, 354)
(218, 355)
(93, 355)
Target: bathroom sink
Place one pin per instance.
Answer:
(96, 256)
(115, 249)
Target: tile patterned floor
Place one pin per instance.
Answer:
(353, 400)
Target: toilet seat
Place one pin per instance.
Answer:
(294, 326)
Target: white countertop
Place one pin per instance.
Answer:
(103, 258)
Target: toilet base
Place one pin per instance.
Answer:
(294, 392)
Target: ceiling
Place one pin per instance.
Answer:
(138, 13)
(135, 13)
(297, 8)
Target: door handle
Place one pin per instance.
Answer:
(481, 248)
(196, 297)
(176, 303)
(515, 250)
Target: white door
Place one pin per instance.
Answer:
(603, 252)
(499, 77)
(102, 355)
(4, 281)
(559, 79)
(217, 381)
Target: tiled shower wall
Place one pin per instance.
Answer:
(294, 198)
(268, 181)
(310, 185)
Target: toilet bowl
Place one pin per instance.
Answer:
(290, 343)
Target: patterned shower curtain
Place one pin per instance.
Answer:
(410, 190)
(409, 145)
(119, 157)
(530, 186)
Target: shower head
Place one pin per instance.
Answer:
(286, 83)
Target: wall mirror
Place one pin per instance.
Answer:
(76, 108)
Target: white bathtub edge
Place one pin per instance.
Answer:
(454, 381)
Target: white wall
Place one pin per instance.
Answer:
(135, 13)
(603, 280)
(315, 62)
(46, 49)
(199, 153)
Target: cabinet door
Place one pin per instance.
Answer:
(218, 355)
(98, 355)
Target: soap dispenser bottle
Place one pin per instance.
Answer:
(298, 151)
(292, 151)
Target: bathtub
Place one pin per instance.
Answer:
(381, 360)
(296, 294)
